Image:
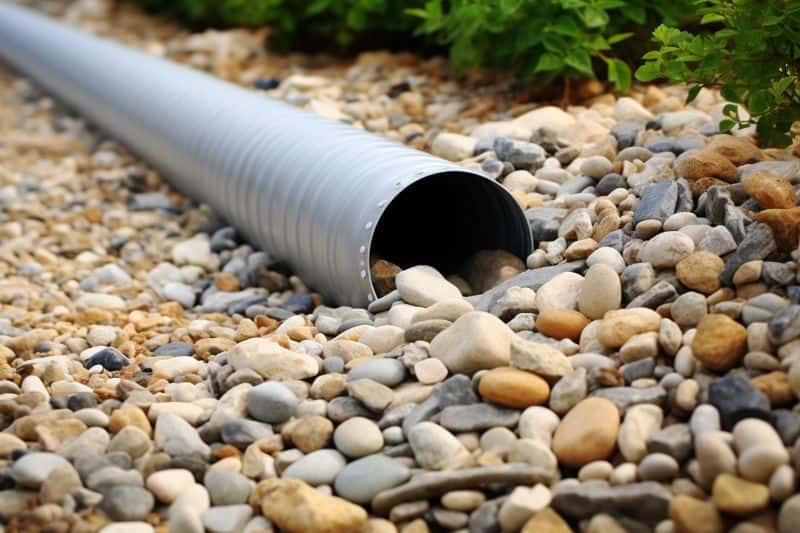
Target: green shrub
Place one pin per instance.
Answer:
(548, 39)
(751, 52)
(540, 39)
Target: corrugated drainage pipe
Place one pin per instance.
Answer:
(316, 193)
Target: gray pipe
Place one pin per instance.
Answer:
(316, 193)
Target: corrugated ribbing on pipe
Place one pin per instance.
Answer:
(310, 191)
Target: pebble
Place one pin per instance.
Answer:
(435, 448)
(271, 402)
(320, 467)
(424, 286)
(357, 437)
(735, 399)
(587, 433)
(667, 249)
(737, 496)
(601, 291)
(362, 479)
(513, 388)
(720, 342)
(475, 341)
(561, 323)
(700, 271)
(430, 371)
(294, 506)
(561, 292)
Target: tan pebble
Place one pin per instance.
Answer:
(378, 525)
(700, 271)
(513, 388)
(129, 415)
(775, 385)
(703, 164)
(601, 291)
(691, 515)
(720, 342)
(415, 526)
(463, 500)
(561, 323)
(430, 371)
(226, 282)
(738, 150)
(546, 521)
(794, 378)
(595, 470)
(736, 496)
(749, 272)
(620, 325)
(770, 191)
(785, 225)
(311, 433)
(296, 507)
(639, 346)
(587, 433)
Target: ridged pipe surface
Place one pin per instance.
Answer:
(308, 190)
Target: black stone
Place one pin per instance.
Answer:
(787, 423)
(609, 182)
(81, 400)
(398, 88)
(175, 349)
(300, 302)
(267, 84)
(758, 243)
(616, 239)
(109, 358)
(626, 132)
(657, 202)
(736, 399)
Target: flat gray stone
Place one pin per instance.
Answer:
(477, 417)
(364, 478)
(648, 501)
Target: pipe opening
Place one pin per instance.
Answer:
(443, 219)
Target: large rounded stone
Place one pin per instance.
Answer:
(475, 341)
(513, 387)
(720, 342)
(587, 433)
(601, 291)
(271, 402)
(362, 479)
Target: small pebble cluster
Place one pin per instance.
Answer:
(640, 371)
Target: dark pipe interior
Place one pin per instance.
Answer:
(443, 219)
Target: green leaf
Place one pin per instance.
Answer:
(759, 102)
(618, 37)
(594, 18)
(580, 60)
(692, 94)
(709, 18)
(648, 72)
(548, 63)
(726, 125)
(619, 73)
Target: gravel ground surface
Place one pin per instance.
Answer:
(639, 372)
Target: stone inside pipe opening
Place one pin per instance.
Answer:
(443, 219)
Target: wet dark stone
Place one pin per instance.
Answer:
(626, 132)
(267, 84)
(736, 399)
(81, 400)
(175, 349)
(398, 88)
(109, 358)
(300, 302)
(609, 182)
